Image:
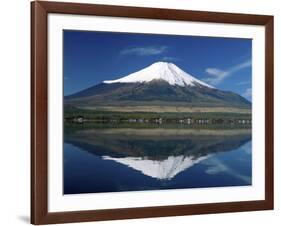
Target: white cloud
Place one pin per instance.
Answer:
(217, 75)
(144, 51)
(220, 168)
(248, 93)
(244, 83)
(247, 148)
(216, 166)
(167, 58)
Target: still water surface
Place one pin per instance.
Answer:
(133, 159)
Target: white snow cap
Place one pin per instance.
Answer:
(163, 170)
(168, 72)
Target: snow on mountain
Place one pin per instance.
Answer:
(168, 72)
(163, 170)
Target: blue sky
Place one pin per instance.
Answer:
(91, 57)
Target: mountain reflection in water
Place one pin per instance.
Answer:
(126, 159)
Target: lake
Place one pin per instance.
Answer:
(115, 159)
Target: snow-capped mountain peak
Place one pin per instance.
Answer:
(168, 72)
(163, 170)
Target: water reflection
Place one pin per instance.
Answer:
(126, 159)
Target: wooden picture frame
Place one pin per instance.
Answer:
(39, 112)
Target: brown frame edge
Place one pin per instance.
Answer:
(39, 117)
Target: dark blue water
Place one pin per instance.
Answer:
(109, 161)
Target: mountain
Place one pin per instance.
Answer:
(167, 72)
(162, 170)
(157, 153)
(160, 84)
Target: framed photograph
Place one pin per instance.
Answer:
(147, 112)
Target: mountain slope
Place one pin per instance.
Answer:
(161, 71)
(159, 153)
(162, 84)
(162, 170)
